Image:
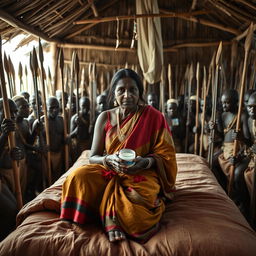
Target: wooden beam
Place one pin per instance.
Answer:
(138, 16)
(241, 36)
(97, 47)
(207, 23)
(173, 48)
(246, 3)
(187, 45)
(24, 27)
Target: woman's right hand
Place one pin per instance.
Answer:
(114, 162)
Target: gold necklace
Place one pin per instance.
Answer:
(121, 136)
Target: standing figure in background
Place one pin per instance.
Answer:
(81, 129)
(6, 155)
(33, 115)
(101, 104)
(24, 138)
(59, 98)
(26, 95)
(225, 126)
(152, 100)
(176, 124)
(57, 141)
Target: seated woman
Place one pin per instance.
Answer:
(129, 200)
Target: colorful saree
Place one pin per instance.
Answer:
(134, 203)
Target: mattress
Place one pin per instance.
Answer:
(201, 220)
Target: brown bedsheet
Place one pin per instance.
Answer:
(201, 220)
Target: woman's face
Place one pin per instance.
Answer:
(127, 93)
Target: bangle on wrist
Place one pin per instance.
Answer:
(150, 162)
(104, 161)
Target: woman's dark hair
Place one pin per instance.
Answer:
(120, 74)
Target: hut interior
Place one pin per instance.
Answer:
(194, 42)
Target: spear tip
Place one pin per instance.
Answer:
(61, 59)
(40, 52)
(218, 53)
(249, 37)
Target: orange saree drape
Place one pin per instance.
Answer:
(131, 203)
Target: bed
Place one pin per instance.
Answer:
(201, 220)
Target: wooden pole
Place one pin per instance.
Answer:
(197, 108)
(8, 73)
(162, 89)
(12, 75)
(61, 63)
(71, 85)
(170, 80)
(190, 77)
(11, 136)
(247, 46)
(20, 77)
(46, 119)
(214, 103)
(203, 114)
(76, 71)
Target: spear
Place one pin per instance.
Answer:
(71, 84)
(162, 89)
(170, 80)
(214, 103)
(7, 70)
(26, 75)
(203, 114)
(235, 149)
(93, 91)
(61, 62)
(233, 60)
(11, 136)
(76, 71)
(197, 108)
(46, 120)
(102, 84)
(49, 87)
(20, 76)
(190, 77)
(12, 73)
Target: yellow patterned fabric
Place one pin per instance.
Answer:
(134, 203)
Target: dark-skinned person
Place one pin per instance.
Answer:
(6, 155)
(176, 124)
(101, 104)
(26, 95)
(33, 115)
(152, 100)
(81, 129)
(225, 127)
(56, 134)
(132, 167)
(25, 140)
(251, 151)
(190, 122)
(59, 98)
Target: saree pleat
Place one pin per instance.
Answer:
(132, 203)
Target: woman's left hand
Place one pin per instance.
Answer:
(140, 163)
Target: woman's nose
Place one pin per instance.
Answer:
(127, 93)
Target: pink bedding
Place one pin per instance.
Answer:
(201, 220)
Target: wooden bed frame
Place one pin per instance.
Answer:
(201, 220)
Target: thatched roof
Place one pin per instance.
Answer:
(190, 22)
(191, 30)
